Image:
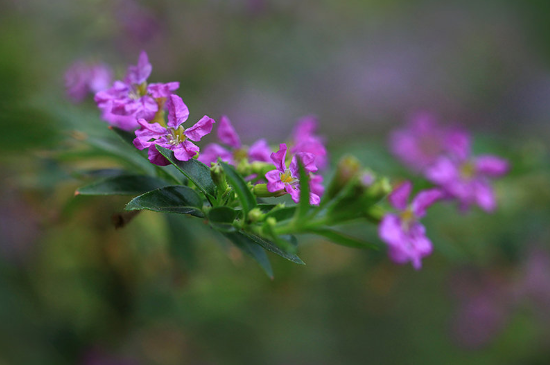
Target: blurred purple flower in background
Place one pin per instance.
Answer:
(467, 179)
(485, 301)
(402, 232)
(132, 99)
(258, 151)
(423, 141)
(84, 78)
(305, 140)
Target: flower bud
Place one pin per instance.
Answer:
(255, 215)
(260, 190)
(347, 169)
(218, 176)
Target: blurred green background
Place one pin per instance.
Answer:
(167, 290)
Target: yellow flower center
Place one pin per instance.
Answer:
(287, 178)
(240, 154)
(176, 136)
(467, 171)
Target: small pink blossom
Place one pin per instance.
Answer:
(287, 179)
(175, 137)
(402, 232)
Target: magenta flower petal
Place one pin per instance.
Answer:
(156, 157)
(259, 151)
(146, 107)
(147, 132)
(274, 182)
(279, 157)
(308, 160)
(100, 77)
(185, 151)
(390, 230)
(211, 153)
(457, 144)
(484, 196)
(425, 199)
(443, 171)
(316, 184)
(227, 134)
(177, 111)
(491, 166)
(314, 199)
(294, 192)
(305, 128)
(138, 74)
(399, 196)
(160, 90)
(200, 129)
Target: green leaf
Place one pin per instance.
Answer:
(282, 214)
(171, 199)
(125, 136)
(194, 170)
(303, 204)
(120, 151)
(249, 247)
(247, 199)
(343, 239)
(270, 246)
(122, 185)
(221, 218)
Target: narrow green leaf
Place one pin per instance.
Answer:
(122, 185)
(128, 138)
(125, 136)
(249, 247)
(303, 204)
(343, 239)
(247, 199)
(194, 170)
(270, 246)
(121, 151)
(221, 218)
(171, 199)
(98, 173)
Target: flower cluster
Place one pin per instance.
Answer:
(443, 156)
(131, 99)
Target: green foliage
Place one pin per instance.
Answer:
(222, 197)
(171, 199)
(122, 185)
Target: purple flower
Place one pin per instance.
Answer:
(423, 141)
(467, 179)
(175, 137)
(402, 232)
(132, 99)
(83, 78)
(258, 151)
(305, 140)
(285, 179)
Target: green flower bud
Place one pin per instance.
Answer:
(346, 171)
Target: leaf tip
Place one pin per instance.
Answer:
(76, 193)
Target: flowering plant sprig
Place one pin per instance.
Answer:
(240, 191)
